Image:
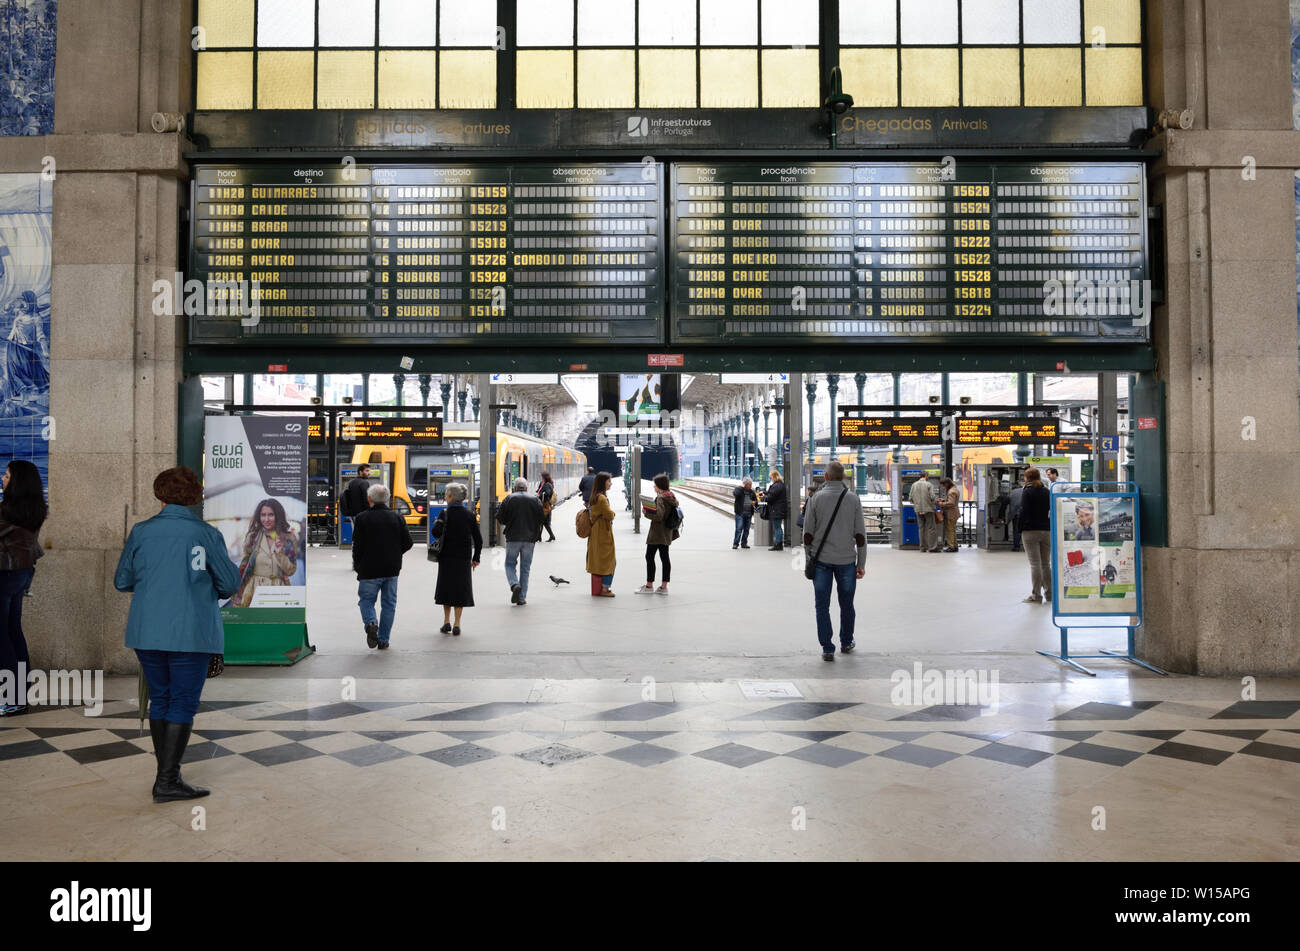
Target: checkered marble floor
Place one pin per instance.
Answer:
(676, 779)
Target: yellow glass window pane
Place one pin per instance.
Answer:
(870, 77)
(225, 81)
(990, 77)
(1121, 21)
(467, 79)
(544, 79)
(408, 79)
(729, 79)
(1114, 76)
(667, 79)
(790, 78)
(606, 79)
(1053, 77)
(345, 79)
(284, 79)
(226, 23)
(929, 77)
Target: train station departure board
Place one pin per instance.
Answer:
(966, 431)
(898, 251)
(375, 430)
(487, 254)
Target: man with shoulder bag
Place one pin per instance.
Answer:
(835, 545)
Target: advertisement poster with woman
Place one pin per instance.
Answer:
(255, 494)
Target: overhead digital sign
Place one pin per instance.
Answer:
(1074, 445)
(366, 429)
(966, 431)
(811, 251)
(1005, 430)
(485, 254)
(888, 431)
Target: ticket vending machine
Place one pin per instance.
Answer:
(994, 483)
(814, 474)
(904, 530)
(379, 472)
(439, 477)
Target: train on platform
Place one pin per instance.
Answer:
(515, 455)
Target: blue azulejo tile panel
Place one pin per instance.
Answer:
(27, 40)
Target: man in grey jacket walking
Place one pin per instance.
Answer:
(840, 534)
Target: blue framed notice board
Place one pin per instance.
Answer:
(1096, 565)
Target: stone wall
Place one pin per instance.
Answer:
(1224, 597)
(118, 190)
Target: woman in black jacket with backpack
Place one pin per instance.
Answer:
(661, 515)
(1036, 536)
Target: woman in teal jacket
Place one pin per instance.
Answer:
(176, 566)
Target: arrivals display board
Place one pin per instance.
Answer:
(455, 254)
(797, 252)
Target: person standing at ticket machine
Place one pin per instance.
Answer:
(950, 504)
(921, 495)
(354, 500)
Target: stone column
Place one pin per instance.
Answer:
(1222, 595)
(861, 380)
(812, 420)
(115, 367)
(833, 389)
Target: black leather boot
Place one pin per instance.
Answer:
(169, 786)
(156, 727)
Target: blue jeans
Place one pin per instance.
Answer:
(523, 552)
(13, 646)
(742, 530)
(846, 580)
(372, 588)
(778, 532)
(175, 683)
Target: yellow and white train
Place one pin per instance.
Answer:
(421, 474)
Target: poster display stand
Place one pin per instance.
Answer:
(255, 494)
(1096, 565)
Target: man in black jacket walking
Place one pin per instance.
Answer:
(521, 516)
(379, 539)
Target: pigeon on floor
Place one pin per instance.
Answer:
(557, 581)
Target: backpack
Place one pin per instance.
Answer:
(673, 518)
(582, 524)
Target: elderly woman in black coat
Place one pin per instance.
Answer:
(462, 543)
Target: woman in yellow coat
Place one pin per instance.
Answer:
(600, 544)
